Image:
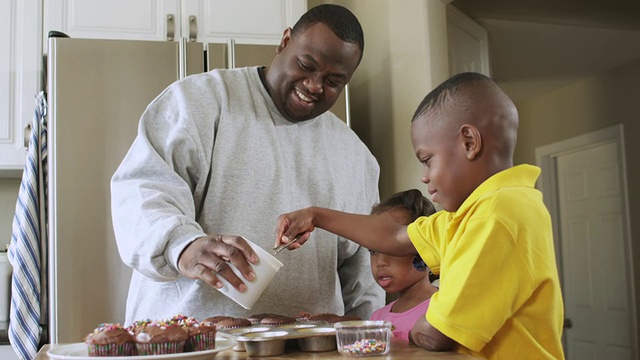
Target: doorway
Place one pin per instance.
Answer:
(584, 185)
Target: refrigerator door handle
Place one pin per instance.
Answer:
(171, 27)
(193, 28)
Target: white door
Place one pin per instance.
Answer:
(591, 229)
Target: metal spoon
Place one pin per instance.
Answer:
(284, 246)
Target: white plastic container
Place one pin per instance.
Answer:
(265, 270)
(5, 286)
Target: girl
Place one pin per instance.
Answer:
(406, 276)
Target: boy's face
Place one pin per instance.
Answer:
(441, 149)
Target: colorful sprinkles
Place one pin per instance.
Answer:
(366, 346)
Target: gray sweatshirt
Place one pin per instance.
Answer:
(214, 156)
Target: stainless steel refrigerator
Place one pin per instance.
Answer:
(96, 91)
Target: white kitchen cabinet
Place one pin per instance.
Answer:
(20, 67)
(205, 21)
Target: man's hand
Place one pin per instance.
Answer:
(207, 258)
(428, 337)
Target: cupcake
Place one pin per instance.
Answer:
(214, 319)
(256, 318)
(200, 336)
(322, 317)
(138, 325)
(110, 340)
(160, 337)
(277, 320)
(232, 323)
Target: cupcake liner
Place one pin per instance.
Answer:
(198, 342)
(126, 349)
(160, 348)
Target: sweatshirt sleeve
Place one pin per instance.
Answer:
(361, 294)
(153, 207)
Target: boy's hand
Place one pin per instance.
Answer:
(295, 223)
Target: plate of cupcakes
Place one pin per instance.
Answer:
(180, 337)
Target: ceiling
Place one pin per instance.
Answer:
(537, 46)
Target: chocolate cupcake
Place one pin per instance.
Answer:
(138, 325)
(322, 317)
(277, 320)
(160, 338)
(255, 319)
(200, 336)
(232, 323)
(211, 321)
(110, 340)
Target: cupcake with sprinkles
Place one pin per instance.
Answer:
(138, 325)
(160, 338)
(200, 335)
(110, 340)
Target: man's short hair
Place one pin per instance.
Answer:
(339, 19)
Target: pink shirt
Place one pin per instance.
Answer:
(404, 321)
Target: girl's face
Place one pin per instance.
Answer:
(395, 273)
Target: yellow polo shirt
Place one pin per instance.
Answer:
(499, 292)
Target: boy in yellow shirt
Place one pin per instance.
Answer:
(492, 243)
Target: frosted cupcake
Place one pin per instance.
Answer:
(200, 336)
(110, 340)
(160, 338)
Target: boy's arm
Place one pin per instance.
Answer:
(371, 231)
(429, 338)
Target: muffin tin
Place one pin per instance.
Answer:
(272, 340)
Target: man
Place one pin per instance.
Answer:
(219, 155)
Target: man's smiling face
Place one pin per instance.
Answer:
(310, 71)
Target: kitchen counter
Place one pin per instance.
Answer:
(399, 350)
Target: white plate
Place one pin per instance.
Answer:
(78, 351)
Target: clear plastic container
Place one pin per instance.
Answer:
(363, 338)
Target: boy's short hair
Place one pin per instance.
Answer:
(339, 19)
(411, 201)
(438, 96)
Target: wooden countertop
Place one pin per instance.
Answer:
(399, 350)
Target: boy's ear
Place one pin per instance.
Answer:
(471, 140)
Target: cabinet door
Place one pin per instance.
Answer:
(114, 19)
(245, 21)
(468, 45)
(19, 79)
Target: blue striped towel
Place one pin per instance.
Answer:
(28, 242)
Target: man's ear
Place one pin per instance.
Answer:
(471, 140)
(286, 37)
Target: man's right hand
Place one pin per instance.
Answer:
(207, 258)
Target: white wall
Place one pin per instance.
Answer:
(405, 57)
(595, 103)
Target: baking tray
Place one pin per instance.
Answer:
(272, 340)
